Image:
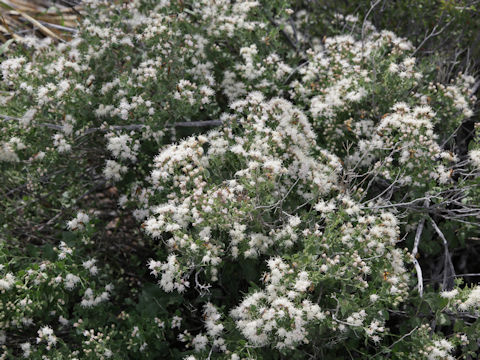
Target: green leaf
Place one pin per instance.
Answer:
(443, 320)
(5, 46)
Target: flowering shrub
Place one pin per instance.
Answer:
(182, 180)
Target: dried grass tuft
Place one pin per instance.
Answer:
(42, 18)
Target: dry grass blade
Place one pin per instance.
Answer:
(41, 27)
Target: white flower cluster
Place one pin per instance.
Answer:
(460, 94)
(123, 147)
(188, 92)
(114, 170)
(220, 17)
(260, 314)
(90, 300)
(90, 266)
(64, 250)
(275, 147)
(70, 281)
(11, 68)
(61, 144)
(475, 158)
(255, 73)
(26, 348)
(45, 334)
(8, 149)
(270, 143)
(138, 95)
(467, 299)
(407, 139)
(449, 294)
(170, 273)
(212, 338)
(79, 222)
(7, 282)
(440, 350)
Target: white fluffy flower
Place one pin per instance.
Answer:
(7, 282)
(114, 171)
(475, 158)
(79, 222)
(449, 294)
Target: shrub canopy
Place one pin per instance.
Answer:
(213, 179)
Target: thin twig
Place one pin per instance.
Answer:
(475, 87)
(198, 123)
(364, 25)
(59, 27)
(397, 341)
(429, 36)
(285, 35)
(294, 71)
(447, 258)
(6, 117)
(418, 234)
(138, 126)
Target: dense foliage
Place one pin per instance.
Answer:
(220, 180)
